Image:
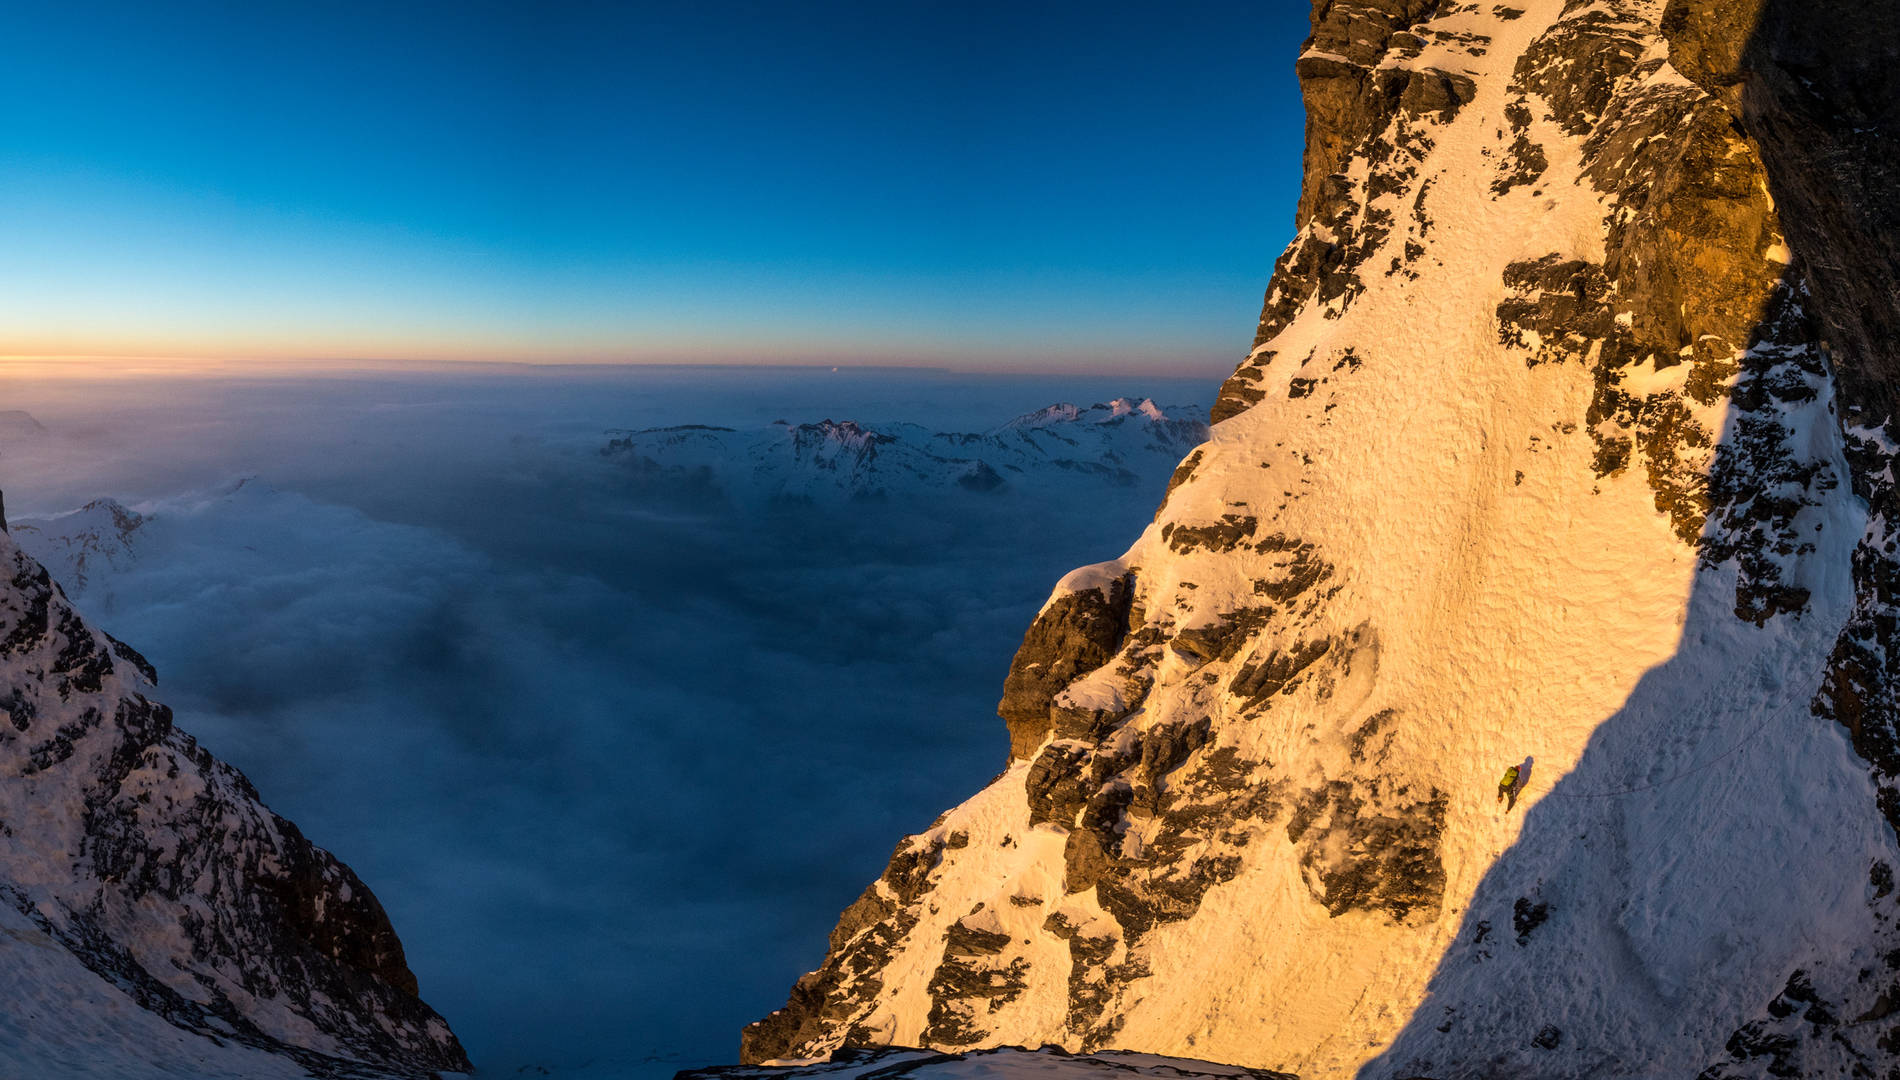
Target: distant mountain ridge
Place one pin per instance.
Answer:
(1116, 442)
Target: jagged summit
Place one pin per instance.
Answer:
(106, 537)
(103, 534)
(155, 912)
(1099, 413)
(1566, 442)
(1115, 442)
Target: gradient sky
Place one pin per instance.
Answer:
(984, 185)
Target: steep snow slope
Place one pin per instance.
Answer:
(1539, 459)
(1114, 442)
(157, 919)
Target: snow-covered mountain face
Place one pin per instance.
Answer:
(1115, 442)
(158, 919)
(1566, 442)
(89, 549)
(99, 537)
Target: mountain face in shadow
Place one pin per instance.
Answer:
(156, 918)
(1566, 440)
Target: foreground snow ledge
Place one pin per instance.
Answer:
(1051, 1063)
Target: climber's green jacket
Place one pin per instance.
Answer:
(1509, 783)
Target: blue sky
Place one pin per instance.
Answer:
(984, 185)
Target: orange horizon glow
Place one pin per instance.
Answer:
(260, 364)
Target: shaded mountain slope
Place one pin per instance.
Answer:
(158, 918)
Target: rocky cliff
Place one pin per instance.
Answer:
(156, 918)
(1566, 442)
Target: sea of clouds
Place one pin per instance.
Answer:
(612, 757)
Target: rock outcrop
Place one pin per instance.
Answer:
(1567, 442)
(169, 893)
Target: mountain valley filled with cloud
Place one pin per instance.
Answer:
(639, 735)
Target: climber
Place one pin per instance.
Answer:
(1508, 787)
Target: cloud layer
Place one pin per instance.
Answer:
(613, 759)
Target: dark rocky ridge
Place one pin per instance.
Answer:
(147, 857)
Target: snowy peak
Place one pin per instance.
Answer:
(1099, 413)
(843, 447)
(1539, 460)
(105, 536)
(102, 535)
(848, 435)
(1121, 442)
